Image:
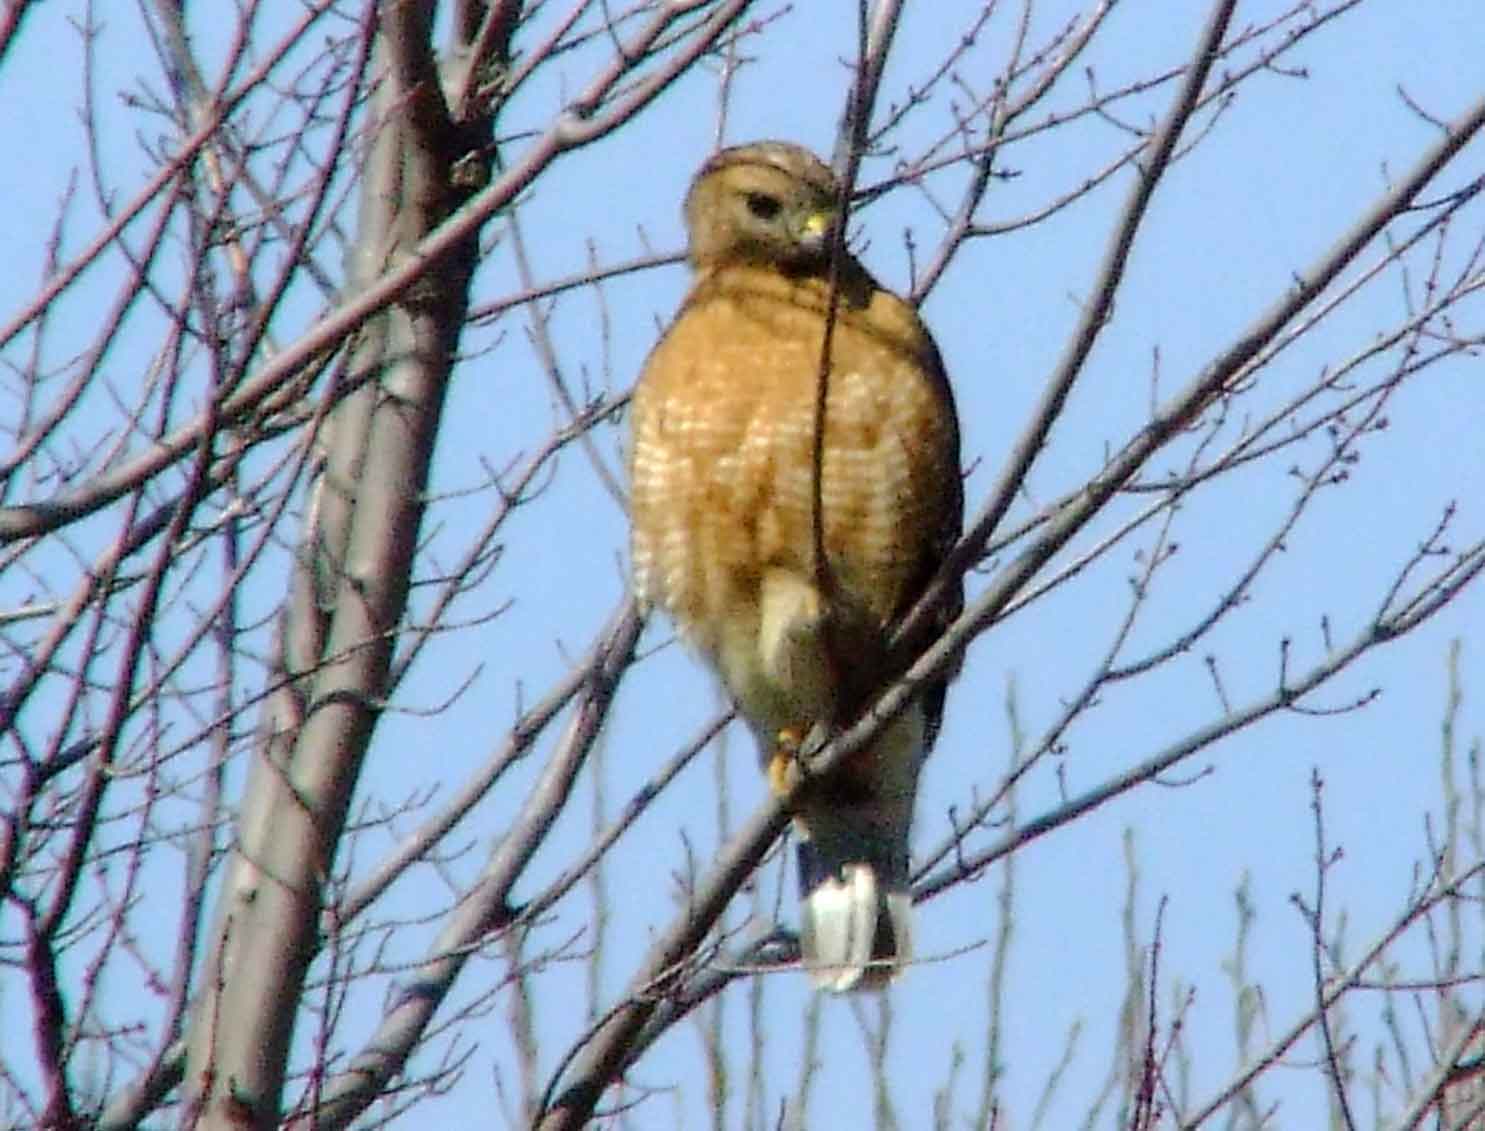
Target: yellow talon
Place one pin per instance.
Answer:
(783, 767)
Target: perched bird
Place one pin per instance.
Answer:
(722, 505)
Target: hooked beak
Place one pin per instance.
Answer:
(815, 232)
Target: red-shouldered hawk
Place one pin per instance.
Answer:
(723, 531)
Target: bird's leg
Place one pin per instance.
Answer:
(787, 766)
(784, 769)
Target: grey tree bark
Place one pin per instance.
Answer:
(270, 421)
(348, 592)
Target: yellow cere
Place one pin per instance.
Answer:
(817, 223)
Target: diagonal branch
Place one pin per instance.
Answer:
(487, 907)
(1189, 403)
(581, 124)
(1095, 316)
(609, 1049)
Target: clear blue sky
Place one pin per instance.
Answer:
(1285, 171)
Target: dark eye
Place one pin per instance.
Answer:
(763, 206)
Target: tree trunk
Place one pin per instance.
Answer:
(339, 627)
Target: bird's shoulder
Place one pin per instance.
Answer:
(744, 299)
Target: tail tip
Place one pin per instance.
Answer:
(856, 934)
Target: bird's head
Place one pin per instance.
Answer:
(770, 202)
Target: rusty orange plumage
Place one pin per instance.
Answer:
(722, 508)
